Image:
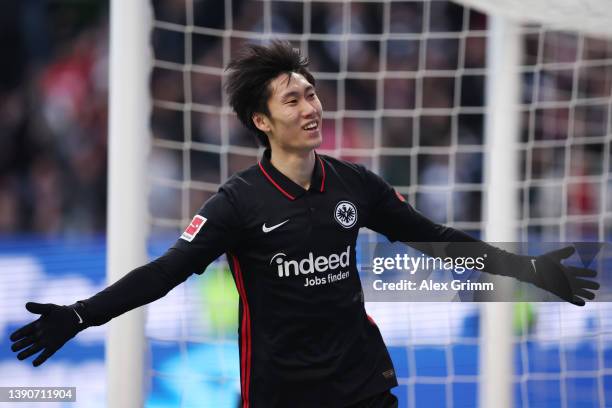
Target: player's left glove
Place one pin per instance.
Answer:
(568, 282)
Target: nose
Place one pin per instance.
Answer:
(309, 109)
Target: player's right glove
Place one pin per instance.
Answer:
(570, 283)
(56, 325)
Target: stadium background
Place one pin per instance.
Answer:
(53, 118)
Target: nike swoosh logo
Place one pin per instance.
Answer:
(272, 228)
(79, 316)
(535, 270)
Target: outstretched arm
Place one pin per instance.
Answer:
(217, 231)
(58, 324)
(399, 221)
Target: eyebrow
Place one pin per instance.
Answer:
(296, 93)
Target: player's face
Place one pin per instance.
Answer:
(294, 123)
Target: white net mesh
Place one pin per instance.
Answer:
(586, 16)
(402, 86)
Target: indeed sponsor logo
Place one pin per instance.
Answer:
(310, 264)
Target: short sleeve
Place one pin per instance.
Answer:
(214, 230)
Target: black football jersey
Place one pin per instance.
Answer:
(305, 338)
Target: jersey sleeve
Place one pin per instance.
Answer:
(390, 215)
(212, 231)
(215, 229)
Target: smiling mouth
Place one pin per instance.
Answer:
(314, 125)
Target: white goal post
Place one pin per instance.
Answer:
(502, 120)
(129, 140)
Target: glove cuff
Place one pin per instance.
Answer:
(80, 315)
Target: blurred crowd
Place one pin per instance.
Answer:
(53, 98)
(423, 118)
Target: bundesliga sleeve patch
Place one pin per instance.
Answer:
(194, 227)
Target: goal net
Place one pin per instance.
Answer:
(403, 90)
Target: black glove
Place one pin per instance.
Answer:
(49, 332)
(567, 282)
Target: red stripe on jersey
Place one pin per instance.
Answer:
(323, 170)
(245, 355)
(238, 280)
(274, 182)
(399, 196)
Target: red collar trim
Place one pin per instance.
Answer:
(289, 196)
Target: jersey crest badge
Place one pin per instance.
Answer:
(194, 227)
(346, 214)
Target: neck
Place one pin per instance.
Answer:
(297, 166)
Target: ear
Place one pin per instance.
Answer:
(261, 122)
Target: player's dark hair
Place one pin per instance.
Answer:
(250, 74)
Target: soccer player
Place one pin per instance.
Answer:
(289, 226)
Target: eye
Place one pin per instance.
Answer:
(311, 95)
(291, 101)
